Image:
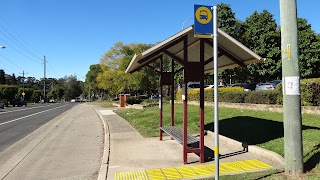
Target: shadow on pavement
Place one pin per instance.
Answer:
(209, 153)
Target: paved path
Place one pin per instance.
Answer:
(68, 147)
(130, 152)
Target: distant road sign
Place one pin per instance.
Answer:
(203, 21)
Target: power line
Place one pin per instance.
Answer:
(21, 38)
(19, 51)
(15, 65)
(11, 61)
(17, 43)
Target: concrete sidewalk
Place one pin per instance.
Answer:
(129, 151)
(68, 147)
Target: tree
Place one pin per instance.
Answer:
(90, 84)
(56, 92)
(227, 21)
(232, 26)
(113, 78)
(2, 77)
(309, 53)
(72, 87)
(260, 34)
(11, 79)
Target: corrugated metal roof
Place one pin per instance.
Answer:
(231, 52)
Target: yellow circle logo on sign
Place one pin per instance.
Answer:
(203, 15)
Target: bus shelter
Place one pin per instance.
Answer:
(196, 58)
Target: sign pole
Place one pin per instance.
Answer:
(216, 115)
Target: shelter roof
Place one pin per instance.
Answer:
(231, 53)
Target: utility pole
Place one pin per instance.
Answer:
(44, 79)
(23, 83)
(292, 123)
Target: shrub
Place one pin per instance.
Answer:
(262, 97)
(310, 92)
(133, 100)
(279, 96)
(194, 94)
(306, 94)
(28, 93)
(36, 95)
(233, 97)
(8, 92)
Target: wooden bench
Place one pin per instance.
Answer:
(177, 134)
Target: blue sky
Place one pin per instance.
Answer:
(73, 34)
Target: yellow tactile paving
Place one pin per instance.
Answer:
(131, 175)
(156, 174)
(245, 166)
(184, 172)
(229, 166)
(202, 170)
(258, 163)
(221, 169)
(187, 172)
(171, 173)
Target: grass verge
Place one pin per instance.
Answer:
(261, 128)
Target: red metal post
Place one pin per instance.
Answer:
(160, 103)
(185, 103)
(172, 92)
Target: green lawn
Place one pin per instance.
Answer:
(261, 128)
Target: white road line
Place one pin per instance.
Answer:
(30, 115)
(24, 109)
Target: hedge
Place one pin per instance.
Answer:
(310, 94)
(194, 94)
(8, 92)
(28, 93)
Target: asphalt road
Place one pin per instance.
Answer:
(18, 122)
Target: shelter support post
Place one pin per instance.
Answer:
(172, 93)
(185, 103)
(160, 99)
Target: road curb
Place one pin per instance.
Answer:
(106, 151)
(270, 155)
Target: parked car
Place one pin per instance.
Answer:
(18, 102)
(212, 86)
(192, 85)
(265, 86)
(245, 86)
(276, 82)
(1, 105)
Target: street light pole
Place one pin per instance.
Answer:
(185, 22)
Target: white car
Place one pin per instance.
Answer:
(73, 100)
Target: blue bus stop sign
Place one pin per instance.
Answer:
(203, 21)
